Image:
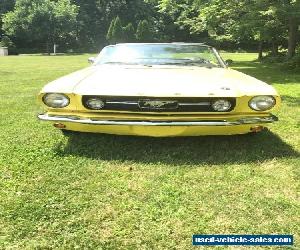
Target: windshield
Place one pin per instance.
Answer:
(160, 54)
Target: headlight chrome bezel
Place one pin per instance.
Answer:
(255, 106)
(65, 100)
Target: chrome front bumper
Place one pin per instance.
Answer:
(242, 121)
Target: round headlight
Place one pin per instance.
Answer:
(221, 105)
(54, 100)
(262, 103)
(95, 103)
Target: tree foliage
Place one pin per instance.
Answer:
(6, 42)
(263, 21)
(5, 6)
(41, 20)
(117, 32)
(109, 35)
(95, 18)
(87, 25)
(129, 33)
(143, 32)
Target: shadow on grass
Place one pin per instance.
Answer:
(178, 151)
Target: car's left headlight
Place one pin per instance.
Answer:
(55, 100)
(262, 103)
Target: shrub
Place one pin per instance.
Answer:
(281, 58)
(6, 42)
(293, 63)
(270, 58)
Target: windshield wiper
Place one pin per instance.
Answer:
(208, 65)
(129, 63)
(122, 63)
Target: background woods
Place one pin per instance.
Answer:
(29, 26)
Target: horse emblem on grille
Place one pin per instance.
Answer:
(157, 104)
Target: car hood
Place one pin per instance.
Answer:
(159, 81)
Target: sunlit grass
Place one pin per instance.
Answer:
(112, 192)
(240, 57)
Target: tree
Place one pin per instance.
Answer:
(129, 33)
(117, 32)
(5, 6)
(95, 17)
(288, 11)
(45, 21)
(6, 42)
(254, 20)
(262, 21)
(109, 35)
(143, 32)
(292, 41)
(175, 19)
(92, 24)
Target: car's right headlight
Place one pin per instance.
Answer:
(262, 103)
(56, 100)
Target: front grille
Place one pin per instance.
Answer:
(158, 104)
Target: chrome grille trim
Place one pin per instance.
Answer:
(180, 103)
(129, 103)
(196, 104)
(133, 103)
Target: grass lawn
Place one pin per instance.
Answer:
(117, 192)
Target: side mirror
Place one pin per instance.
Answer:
(91, 60)
(229, 62)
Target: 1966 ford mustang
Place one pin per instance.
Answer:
(165, 89)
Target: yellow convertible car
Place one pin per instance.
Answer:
(159, 89)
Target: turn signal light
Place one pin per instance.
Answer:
(257, 129)
(59, 125)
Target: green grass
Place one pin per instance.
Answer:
(118, 192)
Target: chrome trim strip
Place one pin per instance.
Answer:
(180, 103)
(249, 120)
(196, 104)
(129, 103)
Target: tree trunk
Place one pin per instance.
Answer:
(292, 37)
(274, 48)
(260, 50)
(48, 48)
